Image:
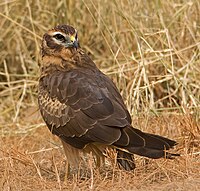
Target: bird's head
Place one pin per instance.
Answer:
(61, 41)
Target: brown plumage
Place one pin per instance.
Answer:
(83, 107)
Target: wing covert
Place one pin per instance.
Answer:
(75, 104)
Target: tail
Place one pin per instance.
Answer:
(143, 144)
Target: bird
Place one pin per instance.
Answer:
(83, 107)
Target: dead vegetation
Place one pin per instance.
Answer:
(151, 51)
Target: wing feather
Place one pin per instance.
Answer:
(76, 104)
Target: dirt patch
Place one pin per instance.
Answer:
(36, 161)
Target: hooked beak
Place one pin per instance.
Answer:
(74, 42)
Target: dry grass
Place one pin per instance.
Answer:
(151, 49)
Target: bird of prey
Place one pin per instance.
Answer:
(84, 108)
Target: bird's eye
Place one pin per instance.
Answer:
(59, 37)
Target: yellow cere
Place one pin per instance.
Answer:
(72, 38)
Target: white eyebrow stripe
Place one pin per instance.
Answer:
(55, 33)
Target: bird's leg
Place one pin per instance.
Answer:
(97, 152)
(72, 158)
(67, 171)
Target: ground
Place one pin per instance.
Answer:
(36, 161)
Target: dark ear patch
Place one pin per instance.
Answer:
(51, 44)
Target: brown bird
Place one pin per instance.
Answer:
(83, 107)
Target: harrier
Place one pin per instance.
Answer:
(83, 107)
